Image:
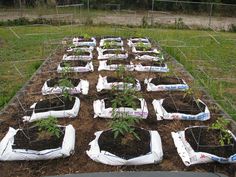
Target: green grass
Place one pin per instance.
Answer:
(206, 55)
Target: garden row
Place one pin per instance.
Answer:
(120, 98)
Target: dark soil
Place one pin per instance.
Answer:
(74, 63)
(133, 148)
(31, 140)
(153, 54)
(114, 52)
(55, 82)
(166, 80)
(139, 41)
(207, 140)
(115, 79)
(118, 62)
(111, 47)
(81, 53)
(108, 103)
(181, 104)
(113, 40)
(145, 49)
(55, 104)
(152, 63)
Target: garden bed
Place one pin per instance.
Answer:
(86, 126)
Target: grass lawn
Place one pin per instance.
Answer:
(209, 56)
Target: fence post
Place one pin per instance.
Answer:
(209, 24)
(88, 5)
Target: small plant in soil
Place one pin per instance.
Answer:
(108, 44)
(142, 46)
(221, 124)
(86, 36)
(122, 123)
(48, 127)
(65, 83)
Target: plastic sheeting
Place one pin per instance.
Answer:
(7, 153)
(104, 66)
(133, 41)
(101, 111)
(78, 57)
(163, 87)
(153, 157)
(78, 42)
(102, 56)
(87, 68)
(103, 84)
(134, 50)
(72, 113)
(82, 87)
(140, 67)
(114, 40)
(161, 113)
(191, 157)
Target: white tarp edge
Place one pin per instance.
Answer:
(113, 40)
(162, 87)
(103, 84)
(161, 113)
(72, 113)
(103, 66)
(140, 67)
(153, 157)
(84, 48)
(102, 56)
(88, 67)
(190, 157)
(76, 42)
(134, 50)
(101, 111)
(133, 41)
(78, 57)
(7, 153)
(82, 87)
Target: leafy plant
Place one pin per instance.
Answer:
(143, 46)
(49, 125)
(221, 124)
(120, 71)
(65, 83)
(122, 124)
(86, 36)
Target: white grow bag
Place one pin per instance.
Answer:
(78, 57)
(82, 87)
(146, 56)
(140, 67)
(133, 41)
(101, 111)
(153, 157)
(162, 87)
(102, 56)
(161, 113)
(104, 66)
(134, 50)
(103, 84)
(87, 68)
(115, 41)
(72, 113)
(77, 42)
(190, 157)
(84, 48)
(7, 153)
